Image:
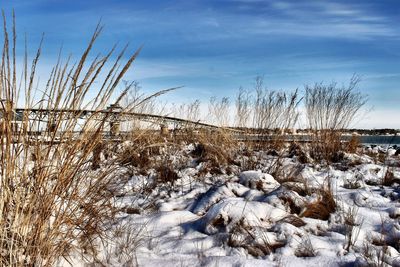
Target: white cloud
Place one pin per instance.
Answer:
(317, 19)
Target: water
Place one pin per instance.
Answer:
(379, 139)
(389, 140)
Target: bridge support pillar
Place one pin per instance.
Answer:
(115, 120)
(114, 128)
(164, 130)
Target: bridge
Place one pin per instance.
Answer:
(114, 115)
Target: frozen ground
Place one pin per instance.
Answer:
(258, 209)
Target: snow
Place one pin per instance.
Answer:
(231, 210)
(253, 218)
(258, 180)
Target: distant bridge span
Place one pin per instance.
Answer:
(112, 115)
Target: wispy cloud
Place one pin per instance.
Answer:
(317, 19)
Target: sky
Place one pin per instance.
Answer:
(214, 47)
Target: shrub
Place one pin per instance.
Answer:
(353, 144)
(324, 206)
(165, 174)
(274, 109)
(56, 203)
(353, 226)
(253, 239)
(389, 178)
(305, 249)
(329, 110)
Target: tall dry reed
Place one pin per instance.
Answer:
(329, 110)
(51, 201)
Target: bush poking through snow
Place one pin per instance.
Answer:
(295, 150)
(323, 206)
(305, 249)
(255, 239)
(388, 178)
(373, 256)
(292, 201)
(215, 157)
(353, 144)
(354, 182)
(212, 153)
(166, 175)
(132, 157)
(199, 151)
(126, 238)
(352, 227)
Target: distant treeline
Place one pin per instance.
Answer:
(384, 131)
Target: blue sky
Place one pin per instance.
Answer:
(213, 47)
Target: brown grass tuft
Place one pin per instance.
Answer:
(165, 174)
(305, 248)
(323, 207)
(54, 202)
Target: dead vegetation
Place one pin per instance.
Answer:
(305, 249)
(352, 224)
(329, 110)
(253, 239)
(324, 206)
(60, 204)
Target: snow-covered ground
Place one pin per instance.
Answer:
(258, 209)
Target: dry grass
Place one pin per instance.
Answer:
(374, 256)
(305, 249)
(243, 108)
(353, 144)
(273, 109)
(329, 110)
(389, 178)
(56, 203)
(352, 224)
(324, 206)
(127, 237)
(253, 239)
(166, 174)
